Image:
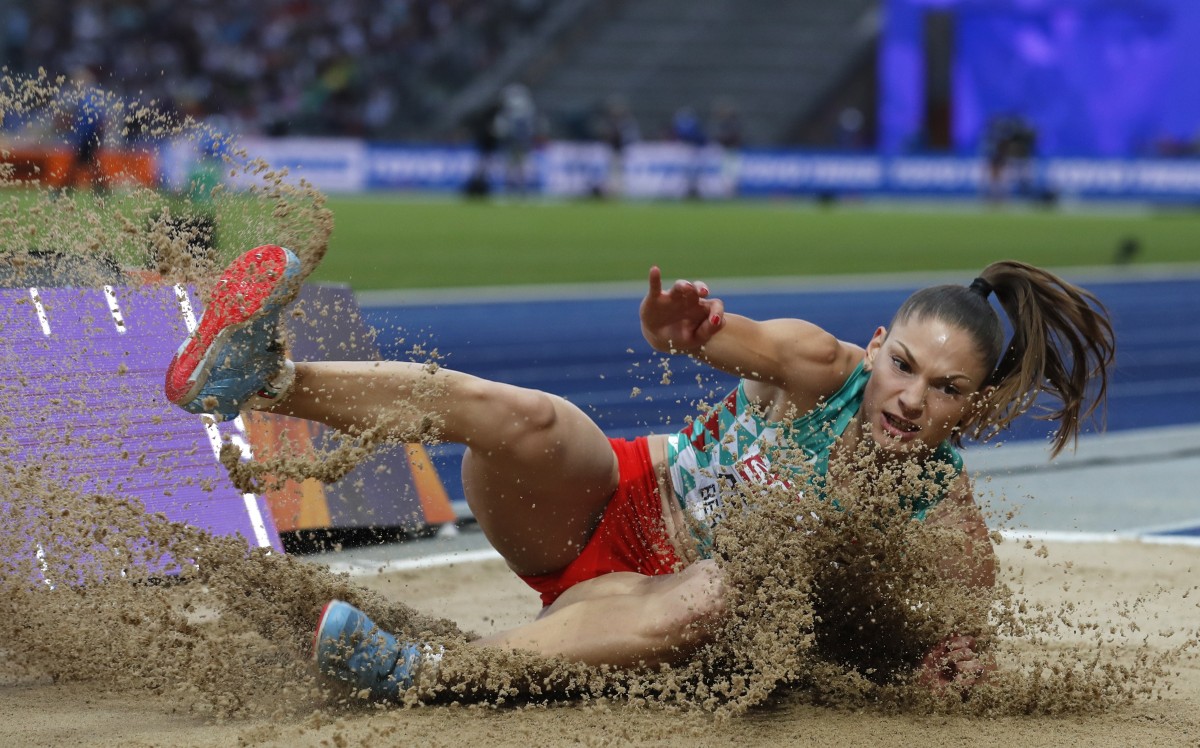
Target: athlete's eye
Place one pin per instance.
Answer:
(900, 364)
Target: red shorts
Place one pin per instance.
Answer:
(631, 535)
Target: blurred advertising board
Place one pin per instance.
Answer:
(666, 170)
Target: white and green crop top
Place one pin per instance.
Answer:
(733, 445)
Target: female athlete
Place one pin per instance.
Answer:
(605, 529)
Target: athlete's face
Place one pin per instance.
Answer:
(925, 377)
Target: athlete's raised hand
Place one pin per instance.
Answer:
(682, 318)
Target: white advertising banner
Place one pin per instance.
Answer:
(330, 164)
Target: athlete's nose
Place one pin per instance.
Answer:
(912, 399)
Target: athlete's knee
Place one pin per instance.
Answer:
(535, 412)
(522, 419)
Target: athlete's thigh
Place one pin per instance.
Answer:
(539, 498)
(702, 578)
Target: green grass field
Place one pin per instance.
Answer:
(399, 242)
(382, 242)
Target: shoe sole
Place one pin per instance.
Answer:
(321, 628)
(316, 645)
(242, 296)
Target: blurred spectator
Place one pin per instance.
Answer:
(850, 131)
(483, 132)
(85, 132)
(1172, 147)
(516, 132)
(199, 213)
(727, 134)
(16, 36)
(1009, 146)
(618, 129)
(688, 130)
(374, 67)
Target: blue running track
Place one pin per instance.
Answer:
(590, 350)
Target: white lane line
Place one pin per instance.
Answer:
(365, 569)
(41, 557)
(41, 311)
(1058, 536)
(115, 309)
(185, 306)
(242, 441)
(256, 520)
(250, 500)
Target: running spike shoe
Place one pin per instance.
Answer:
(234, 360)
(349, 647)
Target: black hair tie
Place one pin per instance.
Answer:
(981, 287)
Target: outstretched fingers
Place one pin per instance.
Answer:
(680, 318)
(681, 289)
(655, 282)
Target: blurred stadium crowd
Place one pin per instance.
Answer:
(618, 97)
(368, 68)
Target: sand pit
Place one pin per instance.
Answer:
(100, 651)
(1093, 580)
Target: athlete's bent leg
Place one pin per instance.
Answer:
(538, 472)
(621, 619)
(626, 619)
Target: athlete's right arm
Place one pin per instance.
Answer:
(791, 355)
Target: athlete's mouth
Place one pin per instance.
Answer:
(900, 425)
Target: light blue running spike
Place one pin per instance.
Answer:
(350, 647)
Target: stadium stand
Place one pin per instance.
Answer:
(375, 69)
(421, 69)
(773, 65)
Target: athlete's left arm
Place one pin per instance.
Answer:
(957, 660)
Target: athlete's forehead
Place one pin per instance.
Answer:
(942, 348)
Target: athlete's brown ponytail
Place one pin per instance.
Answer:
(1062, 342)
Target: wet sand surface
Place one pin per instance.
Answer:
(1096, 579)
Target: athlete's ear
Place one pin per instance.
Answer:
(873, 347)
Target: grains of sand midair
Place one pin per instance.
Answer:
(828, 605)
